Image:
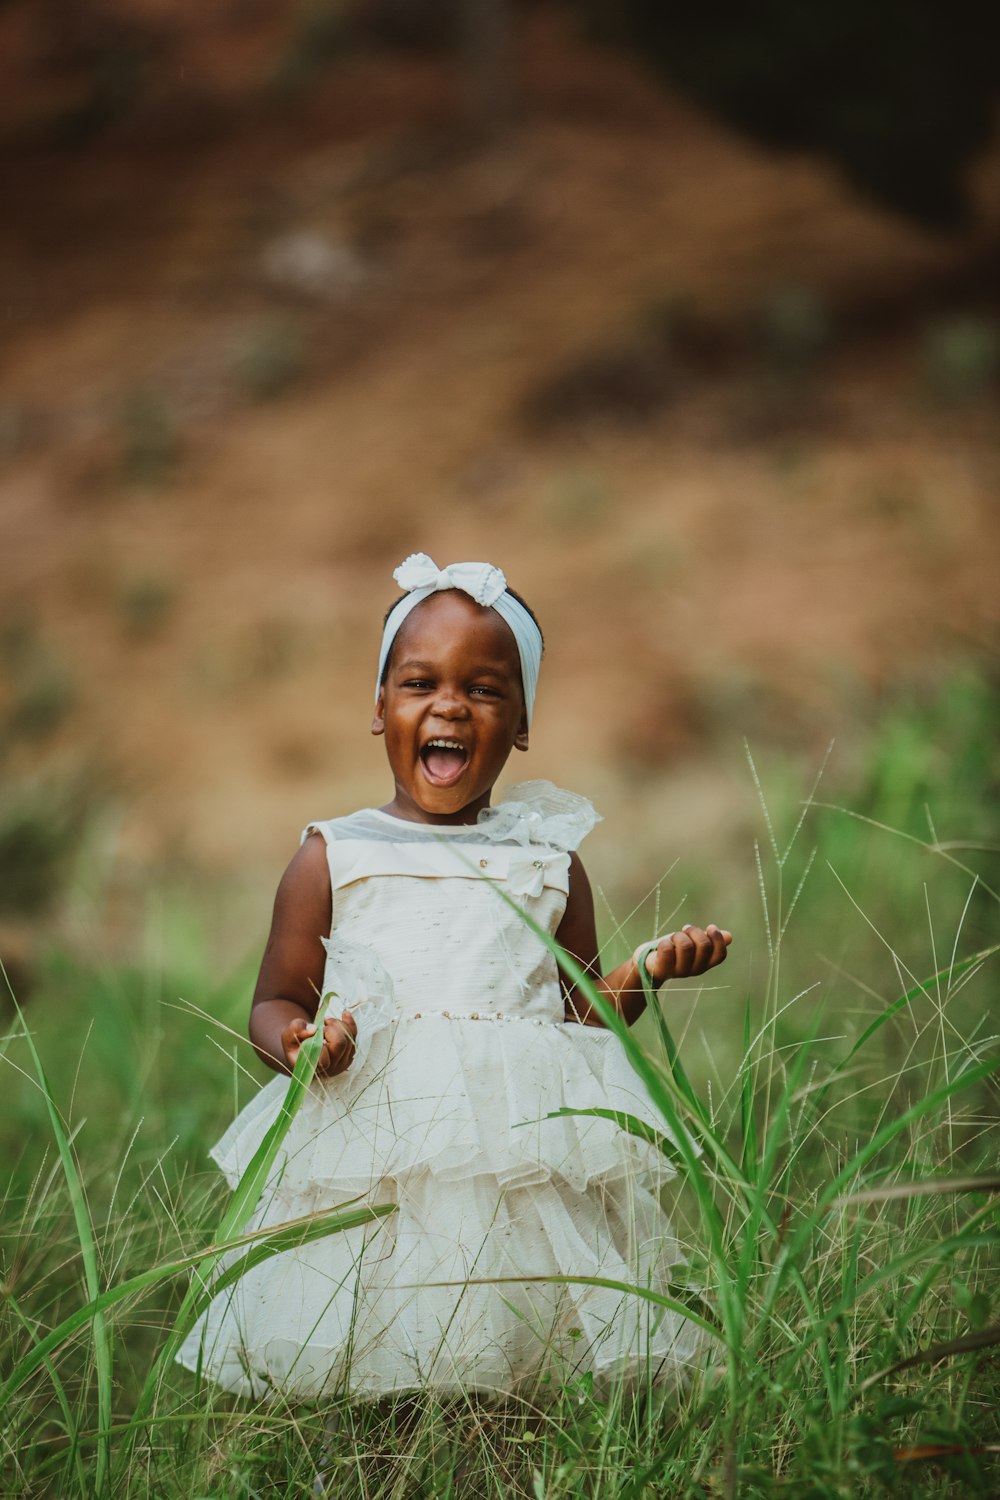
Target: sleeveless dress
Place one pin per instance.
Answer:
(462, 1053)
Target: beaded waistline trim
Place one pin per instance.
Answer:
(475, 1015)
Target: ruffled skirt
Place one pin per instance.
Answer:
(445, 1120)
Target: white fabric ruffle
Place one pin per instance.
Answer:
(408, 1304)
(456, 1098)
(538, 812)
(355, 979)
(445, 1120)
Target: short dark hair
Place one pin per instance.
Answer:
(513, 594)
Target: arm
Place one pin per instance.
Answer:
(286, 997)
(679, 955)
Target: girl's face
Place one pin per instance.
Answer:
(451, 709)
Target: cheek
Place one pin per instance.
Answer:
(502, 733)
(402, 729)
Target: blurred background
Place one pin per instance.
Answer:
(693, 327)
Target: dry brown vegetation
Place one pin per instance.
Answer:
(700, 403)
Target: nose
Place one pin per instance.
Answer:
(449, 704)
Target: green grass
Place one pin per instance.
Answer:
(841, 1212)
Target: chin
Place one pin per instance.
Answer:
(447, 801)
(455, 793)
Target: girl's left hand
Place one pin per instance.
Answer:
(685, 954)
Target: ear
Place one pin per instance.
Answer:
(521, 737)
(378, 722)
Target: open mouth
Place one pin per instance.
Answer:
(444, 761)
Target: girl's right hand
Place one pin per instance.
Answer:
(340, 1035)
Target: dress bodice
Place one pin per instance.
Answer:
(430, 919)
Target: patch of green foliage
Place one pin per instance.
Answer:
(144, 605)
(837, 1191)
(270, 359)
(150, 438)
(962, 356)
(42, 820)
(40, 690)
(320, 35)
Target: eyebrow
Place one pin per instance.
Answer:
(416, 665)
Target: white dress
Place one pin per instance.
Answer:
(462, 1053)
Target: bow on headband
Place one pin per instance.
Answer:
(420, 576)
(482, 581)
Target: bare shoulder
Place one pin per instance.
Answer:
(580, 901)
(579, 882)
(305, 885)
(292, 966)
(310, 855)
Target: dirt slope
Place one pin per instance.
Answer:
(574, 352)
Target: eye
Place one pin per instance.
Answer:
(419, 684)
(485, 691)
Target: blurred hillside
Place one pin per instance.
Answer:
(733, 431)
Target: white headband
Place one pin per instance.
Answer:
(421, 577)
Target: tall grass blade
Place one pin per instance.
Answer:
(260, 1245)
(922, 987)
(239, 1209)
(748, 1123)
(683, 1302)
(683, 1119)
(772, 838)
(103, 1354)
(987, 1182)
(831, 1191)
(670, 1049)
(980, 1338)
(72, 1427)
(629, 1123)
(966, 1240)
(942, 850)
(808, 803)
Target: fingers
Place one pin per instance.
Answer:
(673, 957)
(719, 941)
(690, 948)
(340, 1034)
(659, 961)
(685, 954)
(294, 1034)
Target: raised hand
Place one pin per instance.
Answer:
(685, 954)
(340, 1035)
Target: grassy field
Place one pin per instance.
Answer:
(841, 1217)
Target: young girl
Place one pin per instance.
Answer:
(451, 1037)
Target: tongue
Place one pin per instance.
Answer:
(444, 765)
